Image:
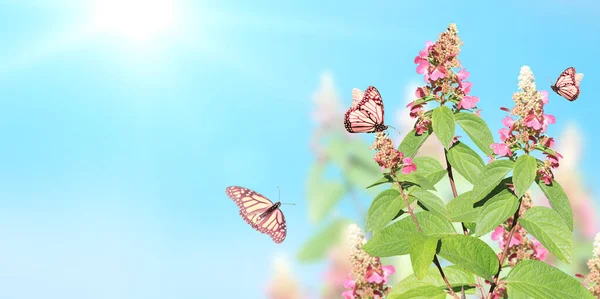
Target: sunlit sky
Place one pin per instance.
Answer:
(124, 121)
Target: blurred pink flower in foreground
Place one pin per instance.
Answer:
(283, 285)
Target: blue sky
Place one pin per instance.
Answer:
(115, 155)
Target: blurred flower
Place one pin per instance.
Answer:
(327, 103)
(283, 285)
(336, 275)
(369, 277)
(592, 280)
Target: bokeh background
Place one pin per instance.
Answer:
(122, 122)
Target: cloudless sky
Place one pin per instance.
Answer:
(115, 154)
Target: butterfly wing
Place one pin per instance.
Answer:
(252, 206)
(567, 84)
(367, 115)
(357, 96)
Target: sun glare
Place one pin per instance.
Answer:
(136, 21)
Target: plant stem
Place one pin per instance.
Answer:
(505, 251)
(435, 259)
(455, 193)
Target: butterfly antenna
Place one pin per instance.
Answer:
(279, 199)
(395, 130)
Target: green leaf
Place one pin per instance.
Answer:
(558, 200)
(442, 121)
(471, 253)
(383, 209)
(524, 173)
(456, 277)
(495, 211)
(460, 209)
(386, 179)
(491, 176)
(548, 227)
(393, 239)
(412, 142)
(415, 179)
(430, 168)
(316, 247)
(433, 203)
(536, 279)
(322, 196)
(466, 161)
(421, 291)
(477, 130)
(422, 249)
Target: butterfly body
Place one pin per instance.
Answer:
(259, 212)
(567, 84)
(366, 113)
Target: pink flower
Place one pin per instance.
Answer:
(468, 102)
(349, 283)
(422, 67)
(546, 177)
(478, 112)
(544, 96)
(348, 294)
(420, 92)
(438, 73)
(498, 233)
(548, 120)
(491, 159)
(508, 121)
(549, 142)
(504, 133)
(539, 250)
(501, 149)
(414, 110)
(463, 74)
(421, 127)
(552, 159)
(455, 139)
(409, 166)
(533, 122)
(505, 109)
(465, 86)
(379, 275)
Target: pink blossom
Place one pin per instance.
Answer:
(498, 233)
(491, 159)
(463, 74)
(438, 73)
(549, 142)
(539, 250)
(504, 133)
(544, 96)
(478, 112)
(455, 139)
(468, 102)
(379, 276)
(552, 159)
(546, 177)
(501, 149)
(421, 127)
(349, 283)
(348, 294)
(508, 121)
(532, 121)
(548, 120)
(420, 92)
(409, 166)
(414, 110)
(465, 86)
(422, 67)
(505, 109)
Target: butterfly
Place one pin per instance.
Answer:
(259, 212)
(567, 84)
(366, 113)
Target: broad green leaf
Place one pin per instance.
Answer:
(421, 291)
(466, 161)
(491, 176)
(393, 239)
(422, 249)
(461, 208)
(360, 168)
(524, 173)
(415, 179)
(442, 122)
(471, 253)
(412, 142)
(495, 211)
(456, 277)
(549, 228)
(430, 168)
(322, 196)
(316, 247)
(386, 179)
(477, 130)
(433, 203)
(536, 279)
(558, 200)
(384, 207)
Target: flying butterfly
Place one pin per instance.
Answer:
(366, 113)
(259, 212)
(567, 84)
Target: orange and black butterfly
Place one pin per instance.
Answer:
(259, 212)
(567, 84)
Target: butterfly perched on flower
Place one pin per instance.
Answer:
(258, 211)
(567, 84)
(366, 113)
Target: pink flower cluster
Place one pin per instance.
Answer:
(436, 62)
(388, 157)
(527, 131)
(378, 276)
(538, 252)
